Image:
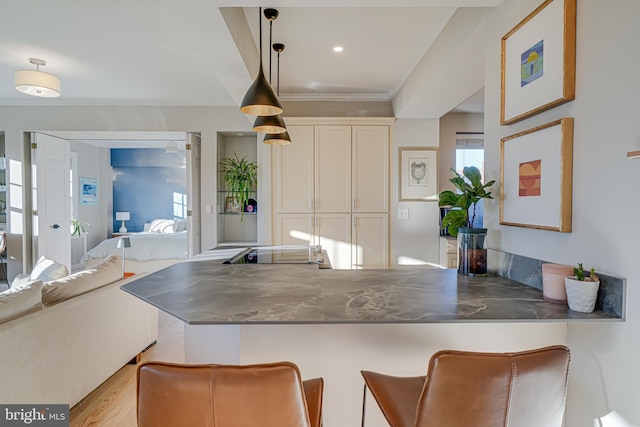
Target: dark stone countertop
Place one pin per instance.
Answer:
(207, 292)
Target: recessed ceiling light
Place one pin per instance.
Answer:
(338, 48)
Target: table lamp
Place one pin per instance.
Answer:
(123, 242)
(123, 216)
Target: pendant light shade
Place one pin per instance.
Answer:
(261, 99)
(277, 138)
(270, 124)
(36, 82)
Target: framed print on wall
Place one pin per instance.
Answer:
(539, 62)
(418, 174)
(88, 191)
(536, 168)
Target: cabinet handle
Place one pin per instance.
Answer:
(317, 207)
(311, 207)
(354, 203)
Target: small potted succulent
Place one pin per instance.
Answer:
(582, 289)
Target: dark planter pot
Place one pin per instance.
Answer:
(472, 247)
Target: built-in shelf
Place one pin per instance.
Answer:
(633, 154)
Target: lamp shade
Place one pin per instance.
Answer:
(261, 99)
(123, 242)
(123, 216)
(277, 138)
(37, 83)
(269, 124)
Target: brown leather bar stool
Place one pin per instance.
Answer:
(463, 389)
(266, 395)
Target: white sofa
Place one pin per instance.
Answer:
(63, 351)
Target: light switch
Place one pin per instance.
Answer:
(209, 209)
(403, 213)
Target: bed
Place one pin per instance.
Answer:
(152, 250)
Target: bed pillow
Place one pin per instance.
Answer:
(107, 271)
(18, 302)
(163, 226)
(47, 269)
(181, 225)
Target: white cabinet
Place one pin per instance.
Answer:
(294, 172)
(448, 252)
(370, 167)
(332, 169)
(370, 237)
(331, 231)
(331, 187)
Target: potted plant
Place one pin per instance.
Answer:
(77, 227)
(240, 178)
(459, 222)
(582, 289)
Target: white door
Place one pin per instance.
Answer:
(193, 194)
(51, 198)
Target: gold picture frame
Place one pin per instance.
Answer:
(538, 62)
(418, 174)
(536, 170)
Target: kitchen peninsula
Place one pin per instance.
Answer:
(333, 323)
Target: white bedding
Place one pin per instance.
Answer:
(144, 247)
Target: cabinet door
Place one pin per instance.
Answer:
(370, 167)
(332, 169)
(333, 233)
(294, 229)
(293, 171)
(370, 241)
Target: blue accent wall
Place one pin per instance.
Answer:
(148, 183)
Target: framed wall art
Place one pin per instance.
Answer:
(88, 191)
(536, 170)
(418, 174)
(539, 62)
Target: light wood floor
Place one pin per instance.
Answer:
(114, 402)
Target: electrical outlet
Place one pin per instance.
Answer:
(403, 213)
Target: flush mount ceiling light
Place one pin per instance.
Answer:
(338, 49)
(260, 99)
(36, 82)
(271, 123)
(281, 138)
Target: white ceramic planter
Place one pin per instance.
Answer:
(581, 295)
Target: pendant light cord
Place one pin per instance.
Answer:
(270, 39)
(260, 29)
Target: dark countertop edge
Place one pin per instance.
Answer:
(592, 318)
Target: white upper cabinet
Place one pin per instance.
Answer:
(294, 172)
(332, 169)
(370, 168)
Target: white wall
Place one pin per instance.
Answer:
(94, 162)
(605, 374)
(414, 240)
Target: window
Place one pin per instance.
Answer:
(470, 152)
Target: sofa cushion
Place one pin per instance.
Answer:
(20, 301)
(47, 269)
(108, 271)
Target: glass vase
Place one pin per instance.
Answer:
(472, 251)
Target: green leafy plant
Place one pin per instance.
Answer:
(471, 190)
(240, 177)
(78, 227)
(580, 274)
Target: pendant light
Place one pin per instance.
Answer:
(260, 99)
(36, 82)
(271, 123)
(278, 138)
